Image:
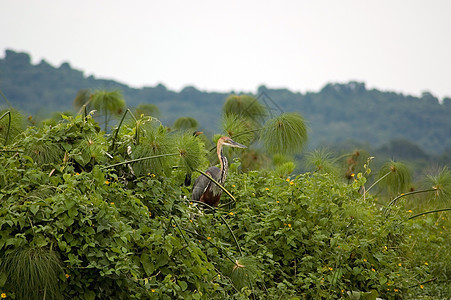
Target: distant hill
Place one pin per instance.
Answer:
(336, 114)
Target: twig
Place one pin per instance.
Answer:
(376, 183)
(233, 235)
(217, 247)
(119, 126)
(428, 212)
(177, 224)
(138, 159)
(406, 194)
(421, 283)
(9, 125)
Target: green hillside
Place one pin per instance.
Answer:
(339, 113)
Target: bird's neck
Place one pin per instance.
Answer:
(224, 169)
(224, 164)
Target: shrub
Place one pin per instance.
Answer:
(100, 226)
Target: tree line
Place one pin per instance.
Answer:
(337, 114)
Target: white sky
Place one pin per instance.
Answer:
(396, 45)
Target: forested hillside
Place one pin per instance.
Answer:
(339, 113)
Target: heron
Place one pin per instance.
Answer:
(204, 189)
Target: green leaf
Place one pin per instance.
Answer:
(183, 285)
(68, 221)
(66, 177)
(34, 208)
(73, 212)
(40, 241)
(90, 295)
(354, 295)
(148, 266)
(162, 260)
(62, 245)
(69, 202)
(3, 279)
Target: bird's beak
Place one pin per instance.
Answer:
(232, 143)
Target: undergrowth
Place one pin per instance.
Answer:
(72, 209)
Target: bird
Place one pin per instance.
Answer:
(204, 189)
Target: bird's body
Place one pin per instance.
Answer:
(205, 190)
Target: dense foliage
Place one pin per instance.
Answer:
(76, 222)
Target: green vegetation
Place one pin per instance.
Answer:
(108, 103)
(93, 203)
(90, 215)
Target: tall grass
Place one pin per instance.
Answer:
(33, 273)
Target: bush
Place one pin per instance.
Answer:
(108, 232)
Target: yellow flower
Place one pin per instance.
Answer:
(233, 185)
(352, 174)
(153, 175)
(396, 290)
(267, 189)
(409, 211)
(277, 201)
(77, 173)
(330, 268)
(385, 247)
(231, 213)
(399, 264)
(208, 238)
(289, 225)
(364, 260)
(372, 269)
(107, 182)
(112, 203)
(67, 275)
(426, 263)
(291, 182)
(191, 221)
(153, 290)
(288, 179)
(3, 295)
(421, 286)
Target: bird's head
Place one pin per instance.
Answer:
(227, 141)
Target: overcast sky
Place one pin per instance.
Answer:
(393, 45)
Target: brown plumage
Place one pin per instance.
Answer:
(205, 190)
